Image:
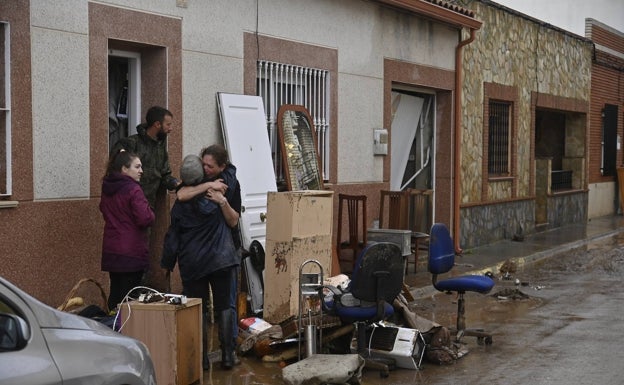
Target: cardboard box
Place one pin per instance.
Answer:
(298, 214)
(281, 280)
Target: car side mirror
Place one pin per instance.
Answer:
(14, 332)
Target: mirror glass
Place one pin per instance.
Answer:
(298, 144)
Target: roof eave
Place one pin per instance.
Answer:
(435, 12)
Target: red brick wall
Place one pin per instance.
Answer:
(607, 88)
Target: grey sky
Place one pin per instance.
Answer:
(571, 14)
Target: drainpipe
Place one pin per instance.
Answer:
(458, 126)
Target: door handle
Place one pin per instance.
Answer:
(263, 217)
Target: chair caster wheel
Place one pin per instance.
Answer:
(484, 340)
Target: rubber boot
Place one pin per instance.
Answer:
(205, 359)
(226, 338)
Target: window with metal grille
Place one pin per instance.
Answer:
(560, 180)
(280, 84)
(5, 111)
(498, 138)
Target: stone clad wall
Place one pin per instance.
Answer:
(513, 51)
(507, 50)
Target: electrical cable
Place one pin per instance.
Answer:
(126, 299)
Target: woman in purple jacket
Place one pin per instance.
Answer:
(127, 216)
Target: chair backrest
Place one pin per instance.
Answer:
(441, 250)
(356, 214)
(375, 258)
(420, 210)
(397, 204)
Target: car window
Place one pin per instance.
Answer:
(5, 307)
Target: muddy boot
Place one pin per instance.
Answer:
(205, 359)
(226, 338)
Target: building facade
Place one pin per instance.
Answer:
(68, 64)
(525, 127)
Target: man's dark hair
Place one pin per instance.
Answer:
(156, 114)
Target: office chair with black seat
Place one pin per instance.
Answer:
(376, 281)
(441, 261)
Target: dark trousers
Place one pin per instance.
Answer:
(120, 286)
(224, 284)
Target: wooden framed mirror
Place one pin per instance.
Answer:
(298, 145)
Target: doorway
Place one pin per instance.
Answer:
(124, 96)
(412, 140)
(412, 154)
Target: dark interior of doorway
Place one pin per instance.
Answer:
(117, 99)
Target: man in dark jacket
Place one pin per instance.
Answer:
(150, 144)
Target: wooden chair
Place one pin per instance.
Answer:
(420, 216)
(356, 220)
(397, 205)
(420, 210)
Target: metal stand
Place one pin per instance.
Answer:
(310, 285)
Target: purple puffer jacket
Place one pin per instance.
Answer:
(127, 216)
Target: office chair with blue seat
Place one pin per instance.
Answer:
(441, 261)
(376, 281)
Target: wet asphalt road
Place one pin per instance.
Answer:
(569, 331)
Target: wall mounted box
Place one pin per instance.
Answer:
(380, 141)
(173, 335)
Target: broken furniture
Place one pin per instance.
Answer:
(376, 281)
(441, 261)
(299, 227)
(356, 223)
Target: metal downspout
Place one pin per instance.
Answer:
(457, 152)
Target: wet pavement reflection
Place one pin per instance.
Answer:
(555, 321)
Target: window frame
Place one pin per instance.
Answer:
(507, 94)
(501, 165)
(6, 185)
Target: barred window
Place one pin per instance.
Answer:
(5, 111)
(498, 140)
(280, 84)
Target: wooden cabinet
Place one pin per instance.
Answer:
(299, 227)
(173, 336)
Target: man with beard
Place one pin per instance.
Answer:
(150, 144)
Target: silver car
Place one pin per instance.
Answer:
(41, 345)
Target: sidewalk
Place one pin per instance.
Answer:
(534, 247)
